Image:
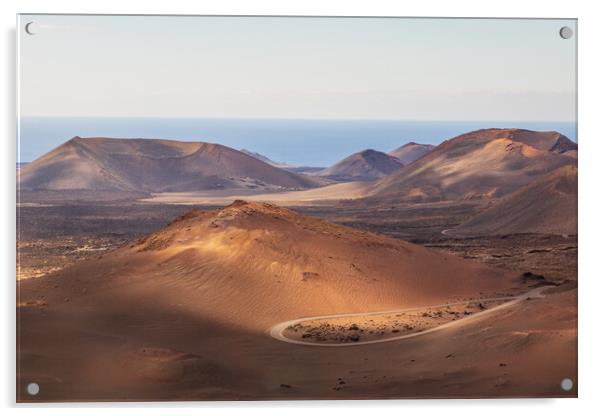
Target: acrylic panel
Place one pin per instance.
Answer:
(287, 208)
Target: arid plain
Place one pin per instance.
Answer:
(166, 270)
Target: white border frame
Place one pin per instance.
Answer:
(590, 221)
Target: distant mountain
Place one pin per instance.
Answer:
(302, 170)
(366, 165)
(480, 164)
(548, 205)
(152, 165)
(306, 170)
(266, 159)
(411, 151)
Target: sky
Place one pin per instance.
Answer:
(314, 68)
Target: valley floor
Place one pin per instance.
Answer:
(52, 237)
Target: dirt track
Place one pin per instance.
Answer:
(277, 331)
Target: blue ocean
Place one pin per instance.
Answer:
(297, 142)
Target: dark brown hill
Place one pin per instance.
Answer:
(152, 165)
(481, 164)
(410, 152)
(366, 165)
(548, 206)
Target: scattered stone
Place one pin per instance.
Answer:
(309, 275)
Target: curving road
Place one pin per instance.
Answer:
(277, 331)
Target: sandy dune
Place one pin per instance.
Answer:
(300, 264)
(151, 165)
